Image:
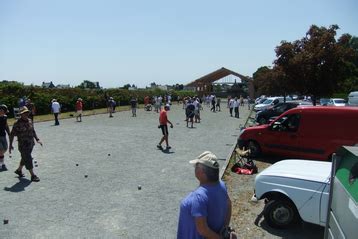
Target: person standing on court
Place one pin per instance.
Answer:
(23, 128)
(218, 101)
(213, 103)
(236, 107)
(4, 129)
(207, 210)
(56, 110)
(111, 106)
(134, 103)
(79, 109)
(163, 125)
(231, 105)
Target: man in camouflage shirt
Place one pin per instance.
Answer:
(25, 132)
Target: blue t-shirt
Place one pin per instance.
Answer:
(208, 201)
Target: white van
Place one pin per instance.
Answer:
(353, 98)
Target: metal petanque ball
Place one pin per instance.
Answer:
(86, 176)
(109, 154)
(139, 187)
(76, 164)
(6, 221)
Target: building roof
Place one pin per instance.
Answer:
(216, 75)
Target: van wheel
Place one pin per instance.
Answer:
(262, 120)
(254, 148)
(280, 213)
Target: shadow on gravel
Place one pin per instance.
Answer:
(167, 151)
(301, 230)
(19, 186)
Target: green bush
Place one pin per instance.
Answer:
(10, 93)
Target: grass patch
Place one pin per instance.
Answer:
(72, 114)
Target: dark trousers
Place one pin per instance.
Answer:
(26, 158)
(56, 119)
(231, 111)
(236, 109)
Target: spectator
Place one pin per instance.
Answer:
(207, 210)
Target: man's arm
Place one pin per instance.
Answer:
(204, 230)
(170, 123)
(228, 215)
(7, 129)
(37, 138)
(11, 139)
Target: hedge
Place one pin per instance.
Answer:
(92, 98)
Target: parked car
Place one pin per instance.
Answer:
(336, 102)
(304, 132)
(263, 117)
(267, 103)
(294, 190)
(353, 98)
(323, 101)
(260, 100)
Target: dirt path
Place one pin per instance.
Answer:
(245, 213)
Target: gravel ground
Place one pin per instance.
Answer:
(117, 154)
(245, 213)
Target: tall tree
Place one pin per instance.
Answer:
(316, 64)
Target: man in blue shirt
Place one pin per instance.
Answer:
(207, 210)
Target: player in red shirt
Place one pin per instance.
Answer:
(79, 108)
(163, 121)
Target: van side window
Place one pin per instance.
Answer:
(292, 123)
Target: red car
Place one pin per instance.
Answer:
(304, 132)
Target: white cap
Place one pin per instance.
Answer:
(207, 158)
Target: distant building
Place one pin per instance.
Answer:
(90, 84)
(48, 85)
(62, 86)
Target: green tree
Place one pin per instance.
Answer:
(316, 64)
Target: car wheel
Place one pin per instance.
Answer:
(280, 213)
(262, 120)
(255, 149)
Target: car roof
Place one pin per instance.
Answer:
(317, 171)
(322, 109)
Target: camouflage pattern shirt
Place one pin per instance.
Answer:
(25, 132)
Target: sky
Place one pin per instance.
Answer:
(116, 42)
